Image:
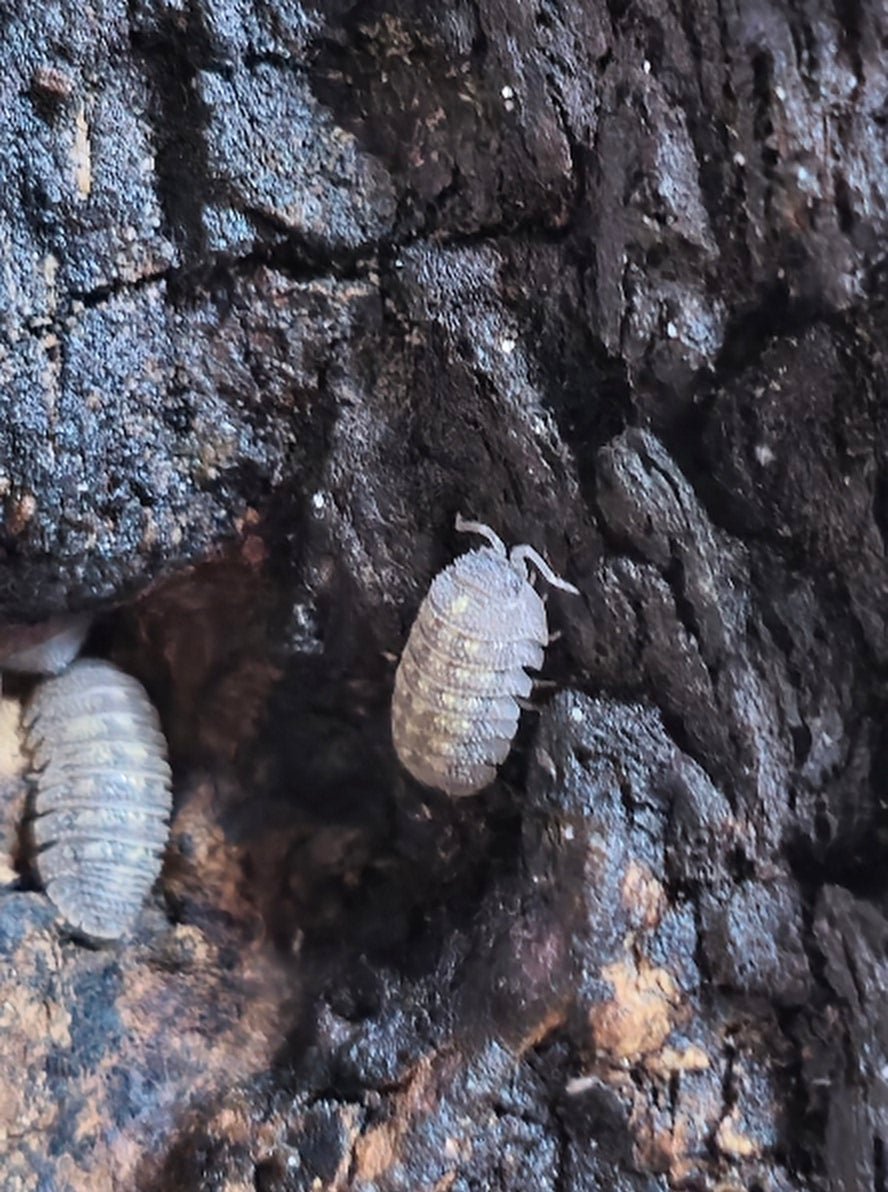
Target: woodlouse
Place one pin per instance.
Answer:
(44, 649)
(102, 801)
(458, 685)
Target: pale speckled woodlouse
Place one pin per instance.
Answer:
(458, 685)
(102, 801)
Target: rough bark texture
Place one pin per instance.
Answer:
(285, 285)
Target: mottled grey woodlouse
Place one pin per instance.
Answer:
(103, 795)
(458, 685)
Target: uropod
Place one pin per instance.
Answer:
(103, 797)
(462, 675)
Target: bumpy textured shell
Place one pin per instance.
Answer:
(103, 798)
(455, 710)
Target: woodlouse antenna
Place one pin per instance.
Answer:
(473, 527)
(526, 554)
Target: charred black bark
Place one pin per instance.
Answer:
(288, 285)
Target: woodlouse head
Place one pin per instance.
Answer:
(46, 648)
(519, 557)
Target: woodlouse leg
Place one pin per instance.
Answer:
(538, 685)
(473, 527)
(526, 554)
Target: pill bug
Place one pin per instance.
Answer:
(462, 675)
(102, 798)
(44, 649)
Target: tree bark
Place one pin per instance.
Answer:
(288, 284)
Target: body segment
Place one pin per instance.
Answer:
(102, 801)
(455, 708)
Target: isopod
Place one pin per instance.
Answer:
(103, 795)
(462, 675)
(44, 649)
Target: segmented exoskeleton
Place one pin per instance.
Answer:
(102, 801)
(462, 674)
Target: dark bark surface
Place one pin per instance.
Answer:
(284, 287)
